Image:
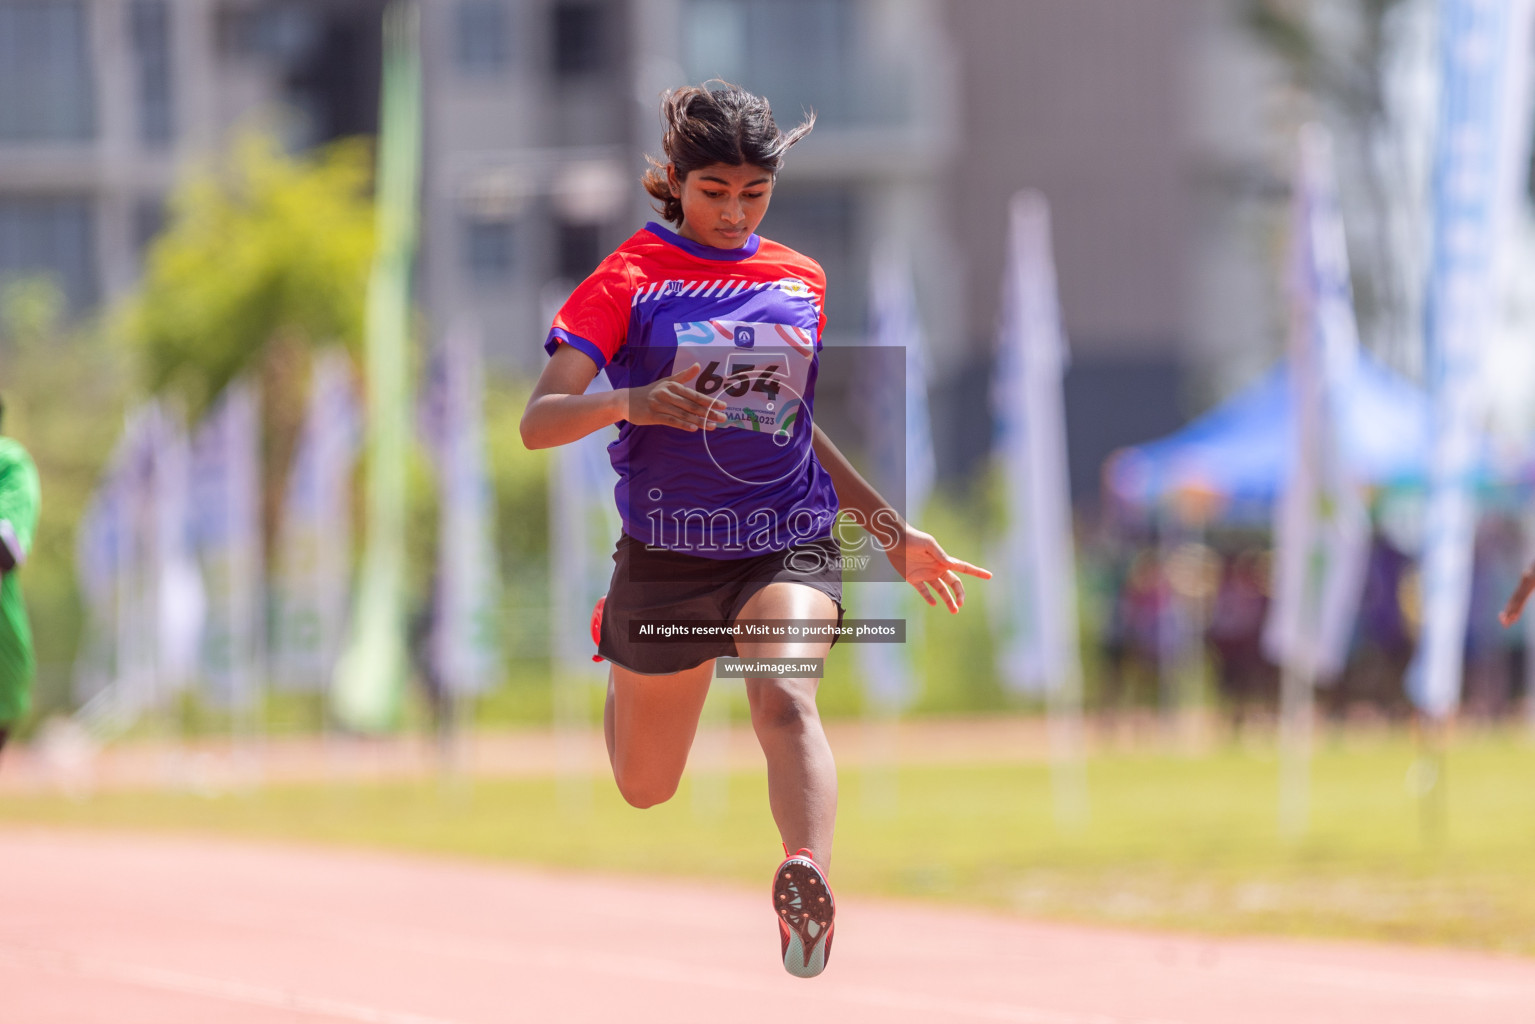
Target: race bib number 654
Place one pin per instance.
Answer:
(758, 372)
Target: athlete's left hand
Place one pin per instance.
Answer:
(1510, 613)
(926, 566)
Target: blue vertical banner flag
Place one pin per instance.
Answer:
(1039, 648)
(1322, 526)
(1484, 56)
(226, 499)
(465, 638)
(904, 456)
(312, 589)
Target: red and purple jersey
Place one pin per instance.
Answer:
(752, 319)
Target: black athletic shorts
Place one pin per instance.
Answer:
(659, 585)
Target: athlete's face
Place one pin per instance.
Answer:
(722, 204)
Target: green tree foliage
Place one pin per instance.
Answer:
(1343, 69)
(266, 258)
(263, 248)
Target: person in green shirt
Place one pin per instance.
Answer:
(19, 498)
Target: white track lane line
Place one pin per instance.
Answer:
(66, 965)
(62, 964)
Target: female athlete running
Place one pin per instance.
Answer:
(727, 490)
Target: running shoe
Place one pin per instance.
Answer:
(803, 901)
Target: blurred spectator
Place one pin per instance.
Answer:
(1135, 634)
(1246, 679)
(1372, 682)
(19, 496)
(1105, 567)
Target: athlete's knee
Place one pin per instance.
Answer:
(777, 706)
(644, 789)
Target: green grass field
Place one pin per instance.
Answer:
(1180, 842)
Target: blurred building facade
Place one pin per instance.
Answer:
(105, 103)
(1083, 100)
(931, 114)
(542, 113)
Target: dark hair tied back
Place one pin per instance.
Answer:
(727, 125)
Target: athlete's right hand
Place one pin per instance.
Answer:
(669, 402)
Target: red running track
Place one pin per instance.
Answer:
(135, 930)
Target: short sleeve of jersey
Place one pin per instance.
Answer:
(595, 319)
(820, 286)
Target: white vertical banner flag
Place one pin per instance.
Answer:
(180, 600)
(314, 557)
(139, 623)
(112, 558)
(1322, 527)
(134, 678)
(226, 494)
(98, 539)
(465, 639)
(141, 583)
(1039, 649)
(1484, 58)
(904, 458)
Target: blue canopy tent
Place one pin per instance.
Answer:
(1238, 453)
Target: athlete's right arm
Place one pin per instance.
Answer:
(560, 411)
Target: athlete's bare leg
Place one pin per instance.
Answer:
(649, 723)
(802, 777)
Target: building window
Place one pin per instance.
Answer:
(489, 250)
(580, 39)
(52, 237)
(800, 54)
(151, 30)
(821, 222)
(482, 40)
(45, 72)
(284, 33)
(580, 250)
(148, 222)
(714, 36)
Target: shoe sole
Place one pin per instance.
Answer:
(806, 910)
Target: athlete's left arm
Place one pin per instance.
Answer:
(917, 556)
(1515, 605)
